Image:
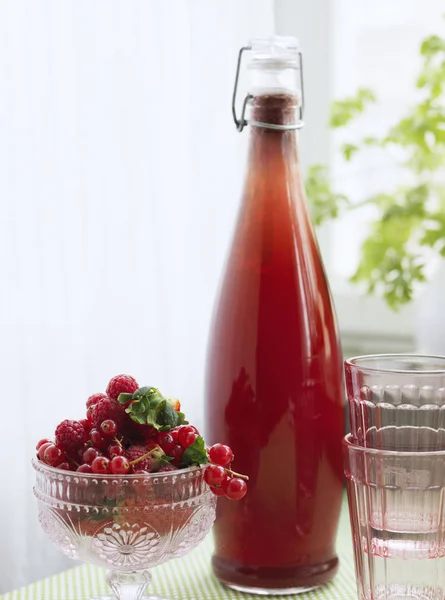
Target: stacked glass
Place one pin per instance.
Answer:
(395, 472)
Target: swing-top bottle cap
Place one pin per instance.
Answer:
(275, 52)
(275, 68)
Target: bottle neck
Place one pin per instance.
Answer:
(273, 171)
(270, 147)
(274, 109)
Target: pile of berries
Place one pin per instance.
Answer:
(133, 430)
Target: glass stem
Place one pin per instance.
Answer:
(128, 586)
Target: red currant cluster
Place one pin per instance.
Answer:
(132, 430)
(220, 477)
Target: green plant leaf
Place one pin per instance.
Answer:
(196, 454)
(344, 111)
(125, 398)
(387, 265)
(323, 201)
(408, 220)
(149, 407)
(349, 150)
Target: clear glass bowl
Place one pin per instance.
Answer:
(125, 523)
(397, 401)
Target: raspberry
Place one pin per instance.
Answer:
(70, 435)
(167, 468)
(107, 408)
(95, 398)
(135, 452)
(121, 384)
(86, 424)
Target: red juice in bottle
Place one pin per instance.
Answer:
(274, 389)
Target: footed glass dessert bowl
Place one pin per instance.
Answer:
(125, 523)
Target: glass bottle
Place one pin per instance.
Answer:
(274, 389)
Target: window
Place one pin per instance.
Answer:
(348, 44)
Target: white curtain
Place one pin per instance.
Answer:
(120, 174)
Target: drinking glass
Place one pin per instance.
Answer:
(396, 505)
(397, 401)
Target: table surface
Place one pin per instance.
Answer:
(188, 578)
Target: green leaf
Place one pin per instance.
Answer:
(166, 414)
(407, 219)
(196, 454)
(167, 417)
(150, 407)
(125, 398)
(181, 420)
(323, 201)
(432, 45)
(164, 460)
(344, 111)
(349, 150)
(388, 266)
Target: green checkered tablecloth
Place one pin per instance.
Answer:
(188, 578)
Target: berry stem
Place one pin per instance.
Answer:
(235, 474)
(118, 442)
(136, 460)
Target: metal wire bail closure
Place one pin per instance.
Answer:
(242, 121)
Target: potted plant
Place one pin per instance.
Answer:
(408, 233)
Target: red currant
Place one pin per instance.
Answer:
(90, 454)
(221, 454)
(120, 465)
(176, 453)
(42, 449)
(183, 432)
(217, 491)
(108, 428)
(97, 439)
(84, 469)
(53, 455)
(215, 475)
(41, 442)
(175, 433)
(190, 439)
(114, 450)
(100, 465)
(235, 489)
(64, 466)
(166, 441)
